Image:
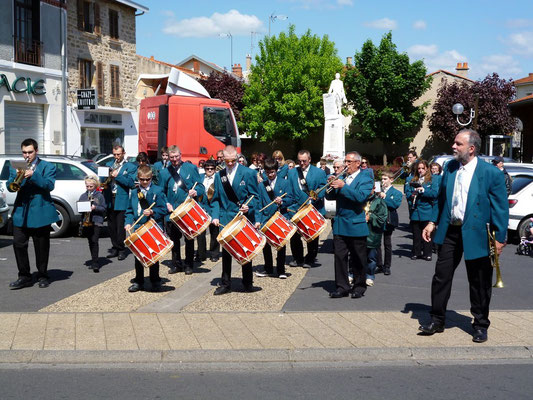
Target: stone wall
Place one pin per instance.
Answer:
(100, 47)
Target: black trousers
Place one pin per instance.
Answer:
(387, 245)
(214, 246)
(280, 259)
(175, 235)
(479, 272)
(420, 246)
(139, 273)
(115, 223)
(247, 275)
(41, 244)
(356, 248)
(297, 250)
(92, 233)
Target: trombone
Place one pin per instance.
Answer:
(494, 257)
(406, 167)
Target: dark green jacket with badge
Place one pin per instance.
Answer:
(376, 222)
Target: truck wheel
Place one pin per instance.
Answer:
(523, 227)
(60, 227)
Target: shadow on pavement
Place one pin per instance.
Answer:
(420, 312)
(59, 274)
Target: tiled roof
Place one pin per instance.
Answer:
(186, 70)
(522, 99)
(449, 73)
(527, 79)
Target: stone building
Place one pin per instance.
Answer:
(522, 108)
(101, 48)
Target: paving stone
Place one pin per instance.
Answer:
(8, 327)
(90, 331)
(30, 333)
(60, 332)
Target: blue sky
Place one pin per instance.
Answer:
(492, 36)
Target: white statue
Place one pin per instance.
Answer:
(337, 88)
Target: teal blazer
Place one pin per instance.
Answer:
(351, 199)
(155, 194)
(125, 181)
(282, 186)
(245, 185)
(423, 209)
(189, 174)
(486, 203)
(33, 206)
(316, 178)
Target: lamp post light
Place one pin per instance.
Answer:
(458, 109)
(273, 18)
(230, 36)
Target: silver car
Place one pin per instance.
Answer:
(69, 185)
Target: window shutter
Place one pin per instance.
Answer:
(97, 28)
(80, 70)
(117, 82)
(100, 79)
(80, 15)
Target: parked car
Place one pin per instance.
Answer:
(520, 199)
(4, 208)
(70, 174)
(444, 158)
(104, 160)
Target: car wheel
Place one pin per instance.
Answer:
(60, 227)
(523, 227)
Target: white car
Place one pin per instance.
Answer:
(520, 199)
(4, 208)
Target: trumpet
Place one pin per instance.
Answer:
(494, 257)
(406, 167)
(87, 216)
(109, 179)
(16, 184)
(314, 194)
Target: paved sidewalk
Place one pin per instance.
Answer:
(254, 337)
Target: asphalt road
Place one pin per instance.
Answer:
(399, 382)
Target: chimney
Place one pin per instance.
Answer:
(462, 69)
(248, 62)
(196, 66)
(349, 61)
(237, 70)
(152, 58)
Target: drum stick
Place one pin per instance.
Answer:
(193, 186)
(272, 202)
(245, 203)
(142, 216)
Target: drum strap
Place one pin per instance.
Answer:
(177, 177)
(269, 189)
(228, 188)
(302, 180)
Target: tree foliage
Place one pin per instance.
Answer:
(226, 87)
(494, 116)
(284, 97)
(382, 88)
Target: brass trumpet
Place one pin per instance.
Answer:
(314, 194)
(15, 185)
(494, 257)
(109, 179)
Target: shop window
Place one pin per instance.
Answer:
(115, 82)
(113, 24)
(88, 16)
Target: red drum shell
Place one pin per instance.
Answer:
(241, 239)
(149, 243)
(310, 222)
(190, 218)
(278, 230)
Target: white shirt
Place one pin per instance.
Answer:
(351, 177)
(231, 173)
(304, 171)
(272, 183)
(208, 180)
(463, 178)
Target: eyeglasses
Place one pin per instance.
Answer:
(145, 179)
(337, 167)
(349, 161)
(364, 162)
(209, 168)
(228, 160)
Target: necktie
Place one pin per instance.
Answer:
(456, 198)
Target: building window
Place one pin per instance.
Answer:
(115, 82)
(28, 48)
(86, 73)
(88, 16)
(113, 24)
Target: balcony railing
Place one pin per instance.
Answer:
(28, 51)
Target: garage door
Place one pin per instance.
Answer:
(23, 121)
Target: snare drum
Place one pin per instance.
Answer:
(241, 239)
(149, 243)
(310, 222)
(278, 230)
(191, 218)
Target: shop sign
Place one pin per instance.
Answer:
(23, 84)
(102, 119)
(87, 99)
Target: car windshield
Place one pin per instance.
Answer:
(91, 165)
(520, 182)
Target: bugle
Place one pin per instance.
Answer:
(494, 257)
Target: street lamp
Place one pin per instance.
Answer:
(273, 18)
(458, 109)
(229, 35)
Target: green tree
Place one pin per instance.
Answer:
(382, 88)
(284, 97)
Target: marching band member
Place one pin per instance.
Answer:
(350, 229)
(94, 220)
(271, 189)
(205, 201)
(472, 195)
(304, 179)
(160, 165)
(121, 180)
(283, 168)
(177, 181)
(376, 217)
(33, 213)
(234, 185)
(139, 204)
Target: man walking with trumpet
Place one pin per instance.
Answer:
(472, 195)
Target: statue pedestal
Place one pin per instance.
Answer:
(334, 138)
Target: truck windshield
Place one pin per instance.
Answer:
(219, 123)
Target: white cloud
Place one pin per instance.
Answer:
(504, 65)
(232, 21)
(383, 23)
(420, 24)
(521, 43)
(422, 50)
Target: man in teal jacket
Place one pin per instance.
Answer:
(472, 195)
(350, 228)
(33, 213)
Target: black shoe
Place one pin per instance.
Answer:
(213, 259)
(428, 258)
(188, 270)
(221, 290)
(135, 288)
(112, 254)
(96, 269)
(480, 336)
(337, 294)
(357, 295)
(432, 328)
(44, 283)
(306, 265)
(20, 283)
(295, 263)
(386, 270)
(122, 255)
(249, 288)
(379, 270)
(414, 258)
